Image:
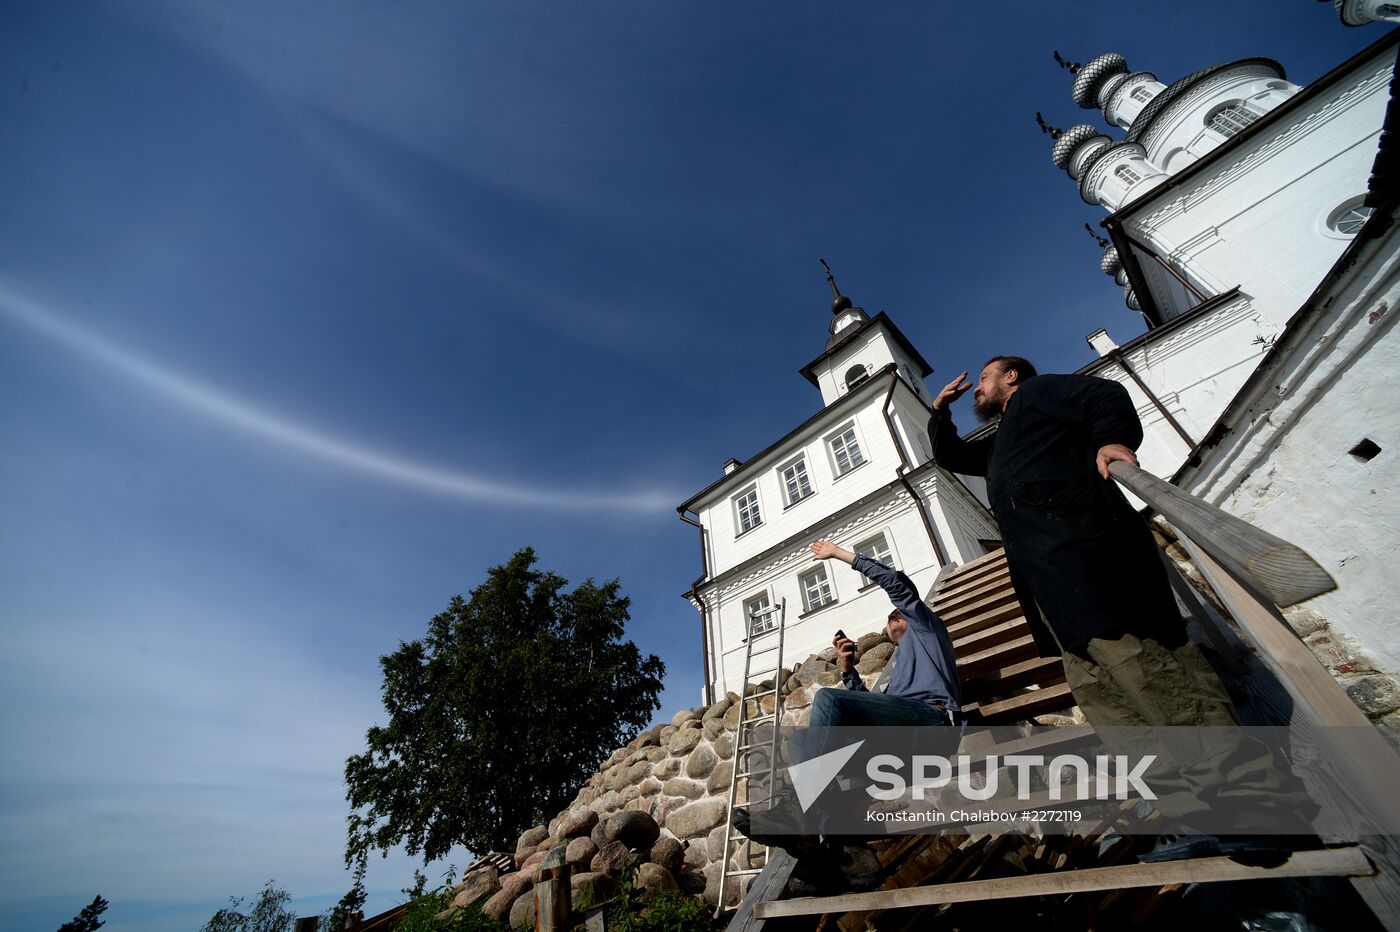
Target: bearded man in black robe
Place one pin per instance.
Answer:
(1094, 589)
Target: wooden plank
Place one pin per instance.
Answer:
(1329, 862)
(988, 637)
(768, 886)
(1365, 763)
(1036, 702)
(1280, 570)
(958, 605)
(1022, 648)
(960, 585)
(1007, 611)
(1040, 671)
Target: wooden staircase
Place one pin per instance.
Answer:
(1004, 679)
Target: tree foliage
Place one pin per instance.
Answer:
(498, 714)
(89, 919)
(269, 914)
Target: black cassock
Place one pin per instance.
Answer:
(1082, 560)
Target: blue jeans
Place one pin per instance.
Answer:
(836, 706)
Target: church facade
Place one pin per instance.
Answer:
(1251, 230)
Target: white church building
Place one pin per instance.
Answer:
(1251, 229)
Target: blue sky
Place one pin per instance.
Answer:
(309, 313)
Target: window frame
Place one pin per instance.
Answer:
(826, 580)
(1231, 107)
(884, 535)
(749, 627)
(839, 434)
(739, 528)
(1127, 174)
(806, 474)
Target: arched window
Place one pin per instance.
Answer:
(1348, 221)
(1141, 93)
(1127, 174)
(1388, 11)
(1231, 118)
(855, 375)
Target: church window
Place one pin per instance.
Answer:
(816, 589)
(1127, 175)
(1231, 118)
(1349, 220)
(760, 614)
(1388, 11)
(845, 451)
(746, 510)
(1141, 93)
(797, 485)
(876, 548)
(855, 375)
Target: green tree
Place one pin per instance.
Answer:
(89, 919)
(498, 714)
(269, 914)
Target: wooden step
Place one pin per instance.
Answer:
(1005, 612)
(953, 585)
(973, 665)
(1042, 671)
(989, 637)
(979, 587)
(1327, 862)
(1035, 702)
(965, 608)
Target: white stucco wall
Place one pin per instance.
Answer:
(1256, 216)
(1286, 468)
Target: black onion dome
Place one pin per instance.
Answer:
(1130, 298)
(1179, 87)
(1070, 140)
(842, 303)
(1110, 263)
(1086, 83)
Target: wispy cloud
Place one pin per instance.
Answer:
(258, 422)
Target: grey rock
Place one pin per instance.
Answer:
(712, 728)
(522, 911)
(679, 786)
(724, 745)
(697, 818)
(580, 851)
(666, 769)
(613, 858)
(683, 716)
(653, 878)
(719, 778)
(702, 760)
(668, 853)
(589, 888)
(638, 772)
(636, 830)
(577, 822)
(480, 884)
(512, 885)
(531, 837)
(683, 742)
(717, 710)
(867, 641)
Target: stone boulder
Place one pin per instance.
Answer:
(697, 818)
(683, 716)
(717, 710)
(867, 641)
(679, 786)
(530, 838)
(701, 762)
(684, 741)
(479, 885)
(589, 889)
(668, 853)
(653, 878)
(612, 858)
(580, 851)
(719, 778)
(577, 822)
(636, 830)
(522, 911)
(512, 885)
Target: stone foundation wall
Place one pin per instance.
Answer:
(661, 800)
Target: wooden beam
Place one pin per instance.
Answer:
(1331, 862)
(1280, 570)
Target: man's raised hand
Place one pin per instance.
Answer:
(952, 392)
(826, 550)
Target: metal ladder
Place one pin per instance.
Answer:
(749, 737)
